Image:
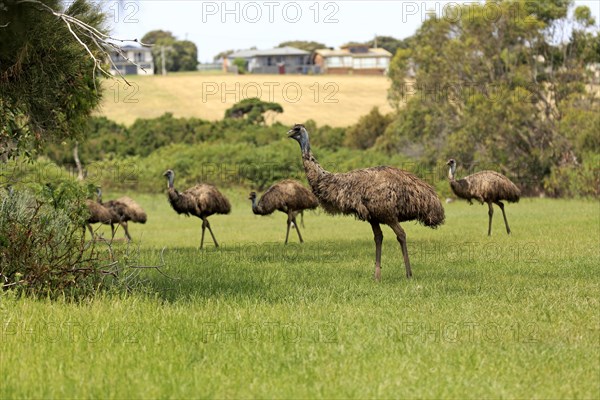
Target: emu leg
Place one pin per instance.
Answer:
(378, 236)
(491, 214)
(401, 236)
(211, 233)
(124, 225)
(203, 229)
(289, 223)
(501, 205)
(297, 229)
(112, 230)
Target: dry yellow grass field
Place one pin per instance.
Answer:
(337, 100)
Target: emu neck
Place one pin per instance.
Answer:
(451, 172)
(314, 172)
(254, 207)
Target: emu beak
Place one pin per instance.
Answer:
(166, 173)
(290, 133)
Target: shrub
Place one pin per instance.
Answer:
(42, 246)
(575, 180)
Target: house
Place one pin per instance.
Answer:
(353, 59)
(280, 60)
(142, 56)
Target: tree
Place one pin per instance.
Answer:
(186, 55)
(303, 45)
(491, 91)
(389, 43)
(240, 63)
(153, 37)
(365, 132)
(48, 84)
(180, 55)
(253, 110)
(223, 54)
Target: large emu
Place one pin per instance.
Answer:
(486, 187)
(201, 200)
(287, 196)
(125, 209)
(378, 195)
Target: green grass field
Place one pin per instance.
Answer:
(499, 317)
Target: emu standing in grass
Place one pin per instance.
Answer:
(287, 196)
(486, 187)
(99, 214)
(125, 209)
(201, 200)
(378, 195)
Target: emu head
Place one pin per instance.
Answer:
(452, 164)
(252, 196)
(299, 134)
(170, 177)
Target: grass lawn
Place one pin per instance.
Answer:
(337, 100)
(499, 317)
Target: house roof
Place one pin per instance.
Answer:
(346, 52)
(136, 48)
(278, 51)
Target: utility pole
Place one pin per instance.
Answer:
(162, 58)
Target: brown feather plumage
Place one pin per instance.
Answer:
(99, 213)
(284, 196)
(378, 195)
(128, 210)
(288, 196)
(485, 187)
(202, 201)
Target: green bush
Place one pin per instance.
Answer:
(42, 246)
(575, 180)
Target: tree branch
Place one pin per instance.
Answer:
(101, 40)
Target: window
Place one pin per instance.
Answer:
(365, 63)
(334, 61)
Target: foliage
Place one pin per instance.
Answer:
(180, 55)
(389, 43)
(491, 91)
(186, 56)
(42, 242)
(575, 180)
(240, 63)
(47, 85)
(365, 132)
(305, 45)
(223, 54)
(252, 109)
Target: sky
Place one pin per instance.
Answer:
(215, 26)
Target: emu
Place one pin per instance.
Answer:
(287, 196)
(118, 211)
(99, 214)
(378, 195)
(486, 187)
(125, 209)
(202, 201)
